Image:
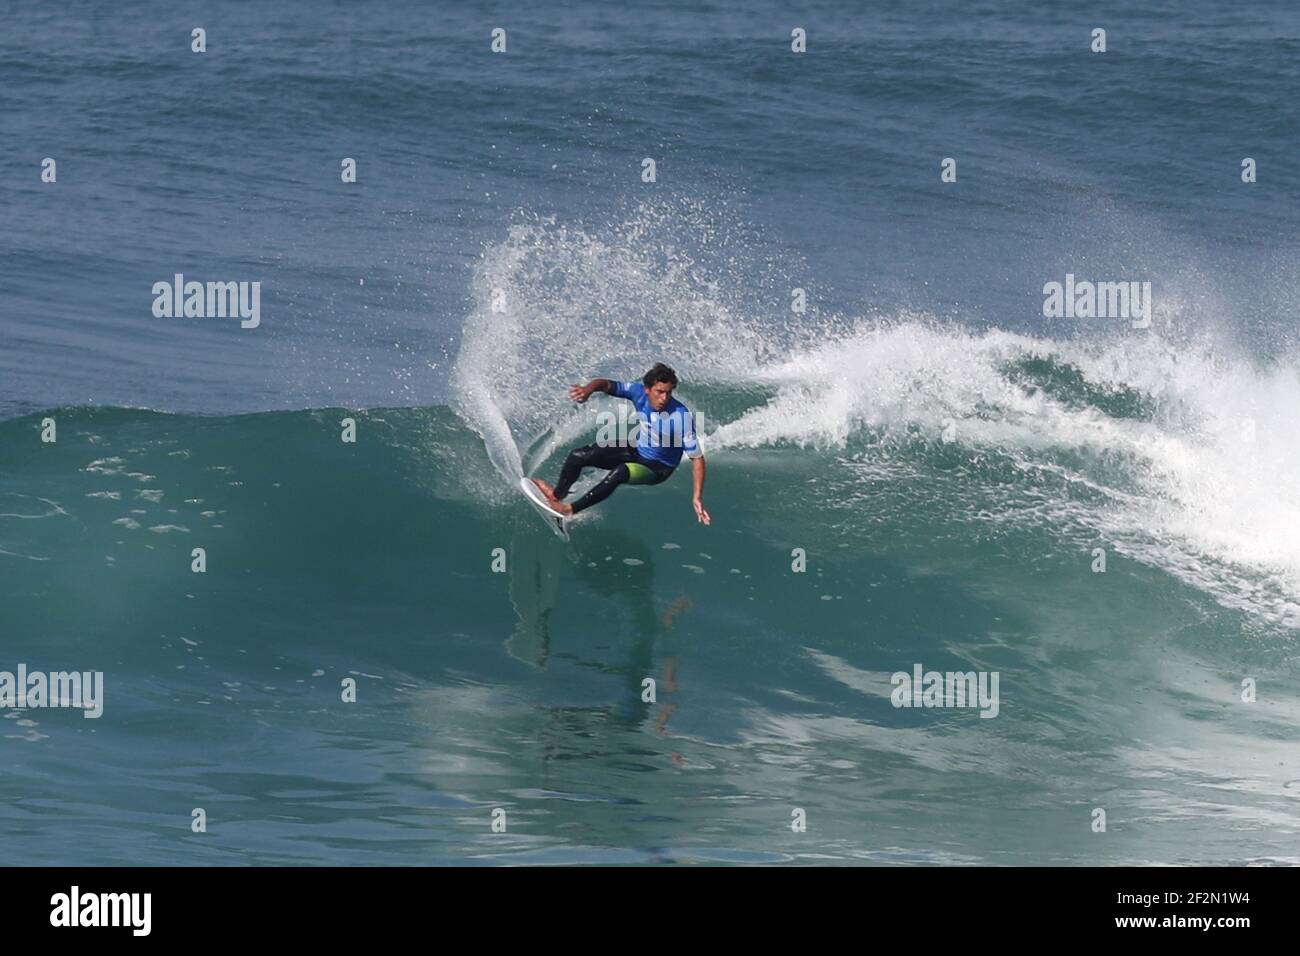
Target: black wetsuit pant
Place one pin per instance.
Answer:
(621, 461)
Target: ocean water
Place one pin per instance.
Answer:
(919, 469)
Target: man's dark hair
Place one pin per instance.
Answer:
(660, 373)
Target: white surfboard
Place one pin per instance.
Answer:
(558, 522)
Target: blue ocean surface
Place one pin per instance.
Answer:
(910, 464)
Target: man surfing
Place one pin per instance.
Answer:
(667, 429)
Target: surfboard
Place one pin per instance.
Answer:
(558, 523)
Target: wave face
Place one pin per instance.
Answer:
(1173, 454)
(951, 491)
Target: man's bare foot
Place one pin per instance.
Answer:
(551, 500)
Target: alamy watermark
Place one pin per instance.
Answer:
(1101, 300)
(75, 908)
(211, 300)
(946, 689)
(665, 429)
(36, 689)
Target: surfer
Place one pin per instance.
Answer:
(667, 429)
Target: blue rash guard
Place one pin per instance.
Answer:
(663, 436)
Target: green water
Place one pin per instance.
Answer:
(521, 689)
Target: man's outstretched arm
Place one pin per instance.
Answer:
(697, 474)
(580, 393)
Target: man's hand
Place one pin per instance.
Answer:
(697, 491)
(700, 513)
(580, 393)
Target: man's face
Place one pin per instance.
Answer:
(659, 394)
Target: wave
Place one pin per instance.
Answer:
(1179, 455)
